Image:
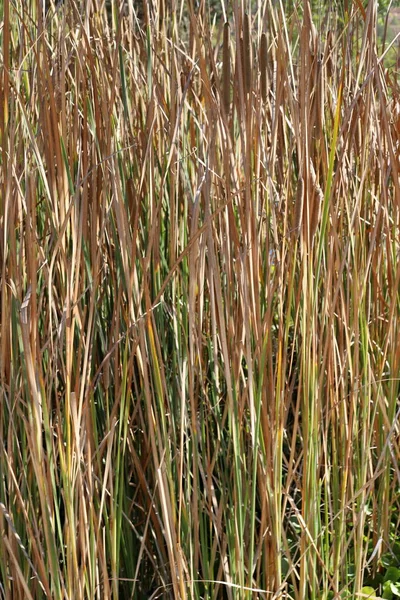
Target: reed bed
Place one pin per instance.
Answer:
(200, 310)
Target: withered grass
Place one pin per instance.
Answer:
(199, 369)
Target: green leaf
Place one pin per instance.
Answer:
(395, 588)
(387, 593)
(391, 558)
(368, 592)
(392, 574)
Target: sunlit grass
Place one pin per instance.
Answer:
(199, 366)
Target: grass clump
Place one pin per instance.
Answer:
(199, 368)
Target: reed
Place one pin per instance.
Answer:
(247, 53)
(263, 58)
(226, 65)
(199, 302)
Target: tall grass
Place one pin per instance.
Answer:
(199, 369)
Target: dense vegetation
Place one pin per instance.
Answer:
(200, 307)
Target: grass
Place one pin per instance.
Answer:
(199, 368)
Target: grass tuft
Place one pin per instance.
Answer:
(199, 359)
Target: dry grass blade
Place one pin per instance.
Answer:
(199, 300)
(226, 85)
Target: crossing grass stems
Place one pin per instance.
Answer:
(199, 250)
